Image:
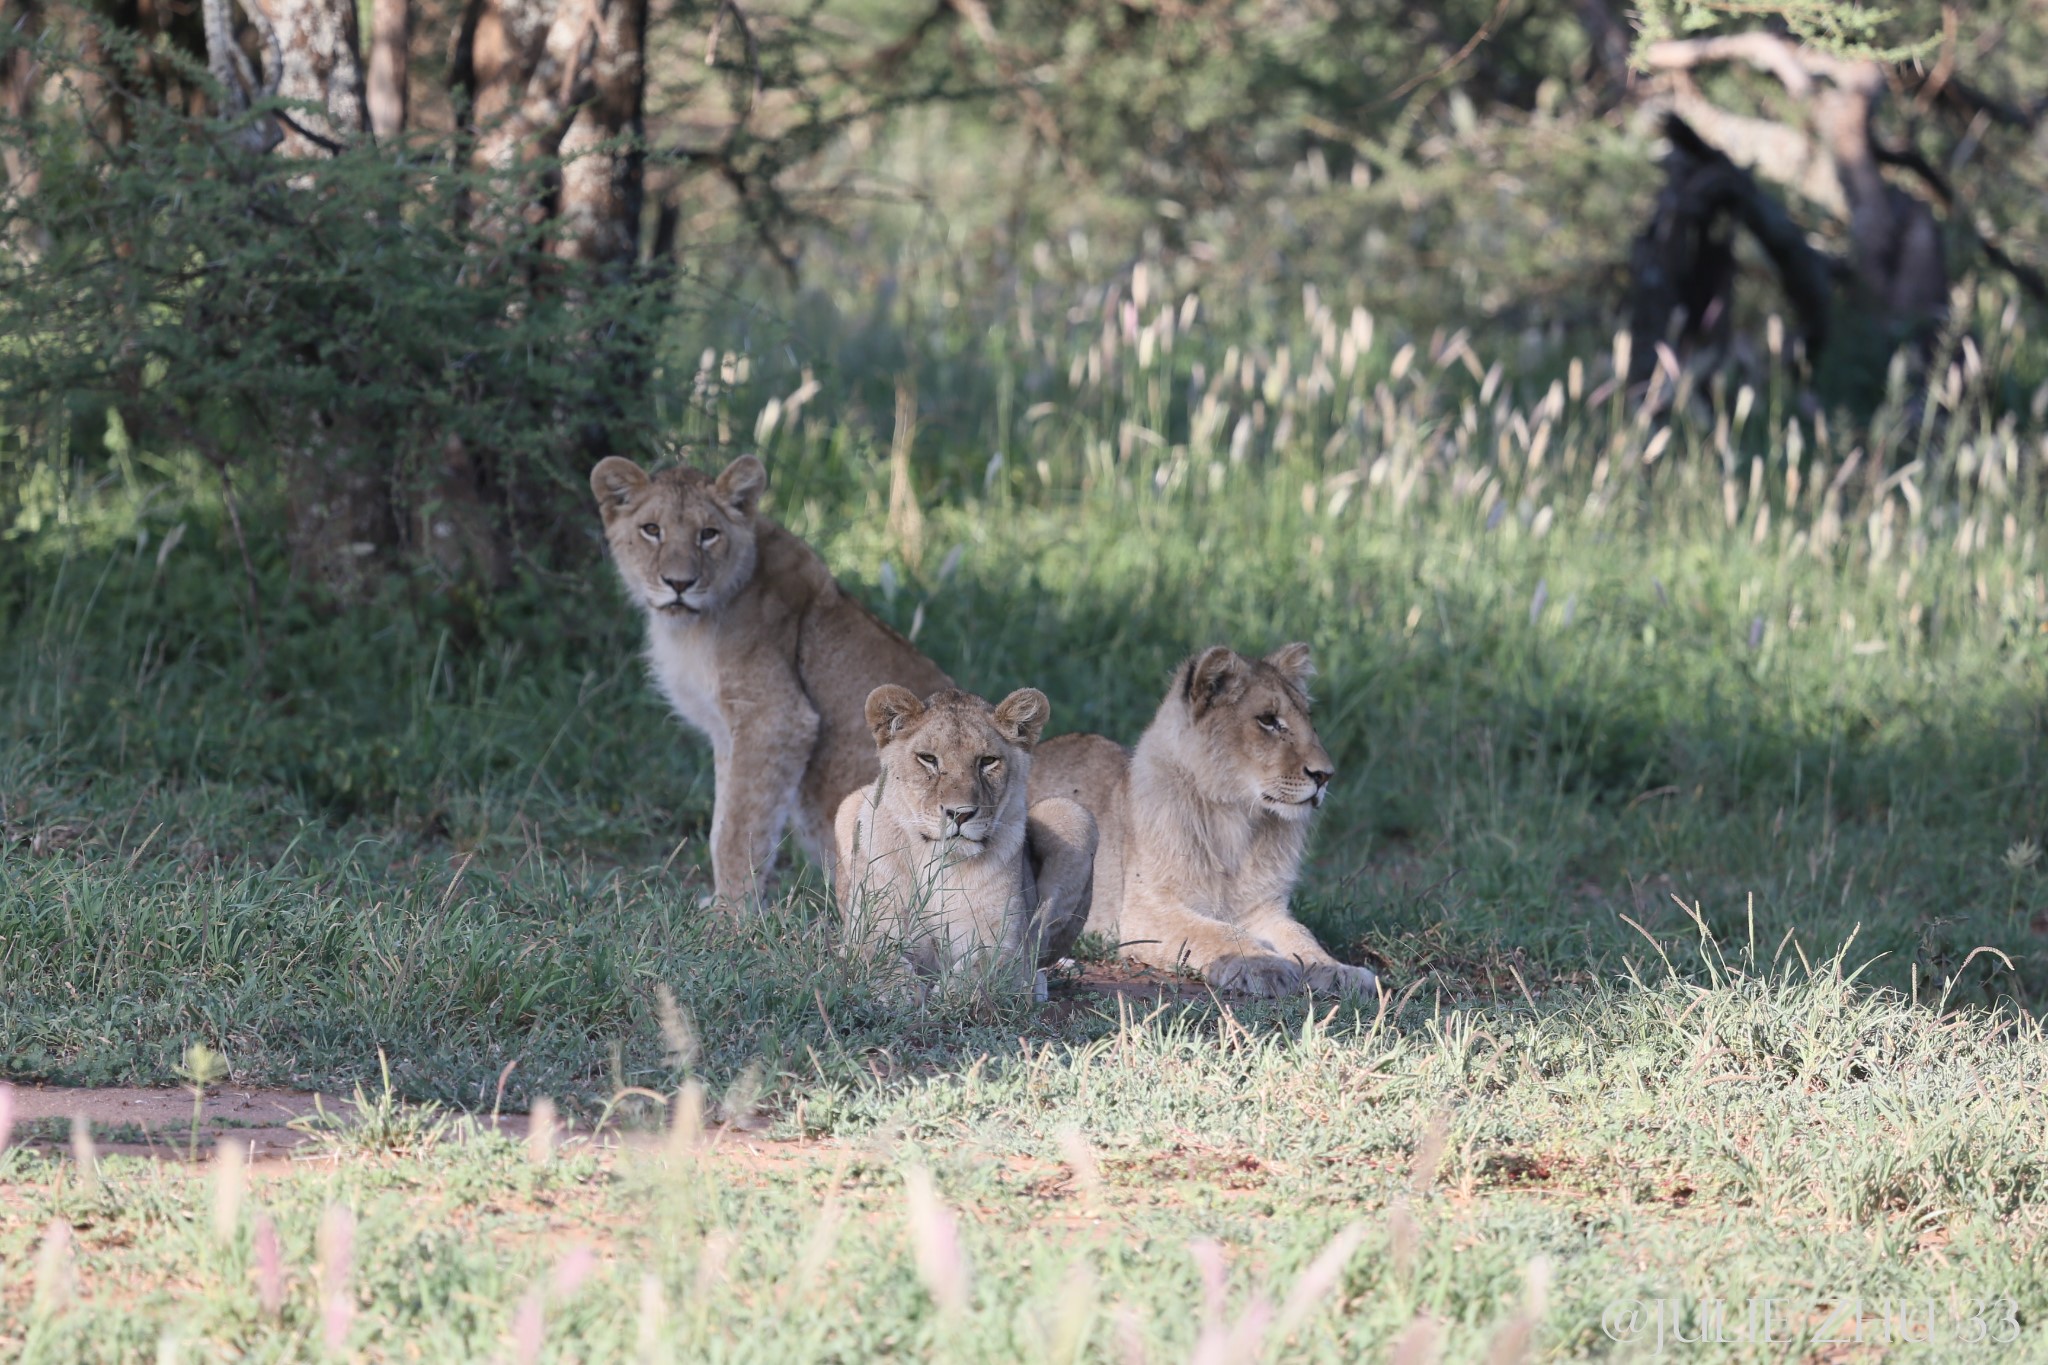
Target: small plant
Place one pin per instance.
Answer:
(385, 1125)
(202, 1067)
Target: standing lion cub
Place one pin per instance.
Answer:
(1204, 823)
(944, 855)
(754, 644)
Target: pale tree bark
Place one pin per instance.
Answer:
(22, 20)
(339, 524)
(554, 111)
(311, 54)
(563, 79)
(602, 171)
(390, 39)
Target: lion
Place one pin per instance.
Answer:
(755, 645)
(943, 855)
(1202, 826)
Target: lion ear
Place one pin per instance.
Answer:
(890, 708)
(1294, 663)
(1217, 675)
(1022, 715)
(615, 481)
(741, 484)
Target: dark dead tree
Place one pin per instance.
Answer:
(1683, 261)
(1832, 159)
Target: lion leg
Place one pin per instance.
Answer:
(757, 777)
(1228, 957)
(1061, 843)
(1323, 973)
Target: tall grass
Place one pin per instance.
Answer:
(1586, 658)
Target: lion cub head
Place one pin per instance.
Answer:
(1248, 739)
(955, 768)
(682, 539)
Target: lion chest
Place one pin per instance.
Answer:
(685, 668)
(927, 892)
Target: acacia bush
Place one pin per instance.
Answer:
(389, 314)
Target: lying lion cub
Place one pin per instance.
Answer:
(941, 855)
(754, 644)
(1203, 825)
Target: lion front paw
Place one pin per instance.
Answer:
(1335, 978)
(1262, 976)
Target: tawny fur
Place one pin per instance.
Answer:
(1204, 823)
(943, 857)
(756, 646)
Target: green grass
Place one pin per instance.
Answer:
(1681, 778)
(1785, 1135)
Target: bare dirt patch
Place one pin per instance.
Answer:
(158, 1122)
(1124, 978)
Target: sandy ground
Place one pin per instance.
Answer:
(159, 1122)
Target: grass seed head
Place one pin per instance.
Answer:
(84, 1158)
(56, 1269)
(540, 1132)
(268, 1254)
(1417, 1344)
(529, 1329)
(653, 1319)
(1080, 1158)
(230, 1179)
(935, 1242)
(337, 1245)
(686, 1127)
(1429, 1154)
(572, 1272)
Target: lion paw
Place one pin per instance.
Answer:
(1261, 976)
(1335, 978)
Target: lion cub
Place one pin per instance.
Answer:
(1204, 824)
(945, 855)
(754, 644)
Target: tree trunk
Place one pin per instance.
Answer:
(554, 110)
(1682, 264)
(563, 78)
(390, 39)
(22, 20)
(310, 54)
(339, 523)
(1607, 40)
(1895, 249)
(602, 157)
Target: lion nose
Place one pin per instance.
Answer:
(679, 585)
(1320, 776)
(959, 815)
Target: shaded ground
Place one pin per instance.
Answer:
(136, 1121)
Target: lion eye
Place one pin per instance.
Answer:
(990, 764)
(1271, 723)
(930, 761)
(652, 530)
(707, 535)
